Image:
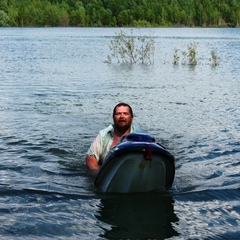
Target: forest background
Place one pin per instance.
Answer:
(122, 13)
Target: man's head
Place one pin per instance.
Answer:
(122, 117)
(123, 105)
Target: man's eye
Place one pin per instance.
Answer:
(117, 114)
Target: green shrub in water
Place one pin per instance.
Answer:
(176, 57)
(190, 56)
(214, 58)
(130, 49)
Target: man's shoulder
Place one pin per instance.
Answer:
(106, 130)
(137, 129)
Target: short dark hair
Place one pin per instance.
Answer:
(125, 105)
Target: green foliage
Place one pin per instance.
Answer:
(130, 49)
(146, 50)
(176, 57)
(189, 57)
(214, 58)
(4, 19)
(192, 54)
(141, 23)
(184, 59)
(139, 13)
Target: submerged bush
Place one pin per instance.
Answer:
(190, 56)
(176, 57)
(130, 49)
(215, 58)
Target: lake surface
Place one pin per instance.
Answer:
(56, 93)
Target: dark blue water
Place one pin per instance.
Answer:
(56, 93)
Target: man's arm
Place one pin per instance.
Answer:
(92, 162)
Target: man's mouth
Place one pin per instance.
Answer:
(121, 121)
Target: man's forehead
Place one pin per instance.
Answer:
(122, 109)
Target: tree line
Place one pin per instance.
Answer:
(119, 13)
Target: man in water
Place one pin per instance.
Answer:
(109, 137)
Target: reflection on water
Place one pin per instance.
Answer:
(138, 216)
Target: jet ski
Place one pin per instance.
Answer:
(136, 164)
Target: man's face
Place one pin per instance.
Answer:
(122, 118)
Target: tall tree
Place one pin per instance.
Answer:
(4, 19)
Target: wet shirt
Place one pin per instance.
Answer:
(104, 139)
